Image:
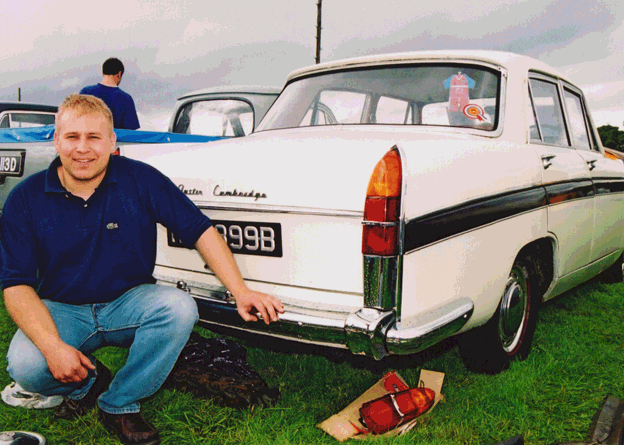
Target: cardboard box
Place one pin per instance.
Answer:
(346, 424)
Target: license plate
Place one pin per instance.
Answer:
(247, 238)
(11, 162)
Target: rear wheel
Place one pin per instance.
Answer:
(509, 333)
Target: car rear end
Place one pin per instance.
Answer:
(313, 204)
(314, 218)
(302, 246)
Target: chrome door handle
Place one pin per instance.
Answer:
(592, 164)
(546, 161)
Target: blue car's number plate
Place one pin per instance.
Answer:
(248, 237)
(11, 162)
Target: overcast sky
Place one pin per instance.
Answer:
(50, 49)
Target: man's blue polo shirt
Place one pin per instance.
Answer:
(76, 251)
(120, 103)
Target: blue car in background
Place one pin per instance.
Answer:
(25, 151)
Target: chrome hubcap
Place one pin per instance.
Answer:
(513, 311)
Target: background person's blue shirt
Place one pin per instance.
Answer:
(120, 103)
(76, 251)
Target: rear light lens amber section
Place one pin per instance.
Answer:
(382, 209)
(386, 178)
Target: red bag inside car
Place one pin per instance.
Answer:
(387, 412)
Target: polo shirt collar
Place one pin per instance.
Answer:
(53, 182)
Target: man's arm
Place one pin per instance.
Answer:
(219, 258)
(66, 363)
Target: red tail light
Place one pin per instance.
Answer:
(382, 209)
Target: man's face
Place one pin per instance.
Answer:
(84, 144)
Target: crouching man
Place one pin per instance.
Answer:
(78, 246)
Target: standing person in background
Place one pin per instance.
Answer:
(118, 101)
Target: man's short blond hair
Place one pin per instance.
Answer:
(83, 104)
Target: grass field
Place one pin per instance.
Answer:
(576, 361)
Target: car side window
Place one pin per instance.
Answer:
(217, 117)
(577, 119)
(534, 133)
(392, 111)
(335, 107)
(549, 114)
(25, 119)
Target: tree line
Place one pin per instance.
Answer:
(611, 137)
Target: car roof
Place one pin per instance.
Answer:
(24, 106)
(508, 60)
(235, 89)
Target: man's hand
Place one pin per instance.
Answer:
(68, 364)
(219, 258)
(250, 304)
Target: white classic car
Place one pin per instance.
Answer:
(393, 201)
(232, 111)
(25, 115)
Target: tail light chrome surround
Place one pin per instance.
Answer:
(382, 233)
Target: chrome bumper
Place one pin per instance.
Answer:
(368, 331)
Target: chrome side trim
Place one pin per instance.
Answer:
(430, 328)
(369, 331)
(366, 331)
(264, 208)
(383, 276)
(300, 324)
(382, 281)
(380, 223)
(398, 289)
(375, 333)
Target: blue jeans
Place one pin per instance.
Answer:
(153, 321)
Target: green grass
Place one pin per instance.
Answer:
(576, 361)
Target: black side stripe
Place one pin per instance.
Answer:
(443, 224)
(440, 225)
(606, 186)
(567, 191)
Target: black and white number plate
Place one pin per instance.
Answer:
(11, 162)
(247, 238)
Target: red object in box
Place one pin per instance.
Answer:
(387, 412)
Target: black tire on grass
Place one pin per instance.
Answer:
(508, 335)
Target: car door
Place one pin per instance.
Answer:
(565, 175)
(606, 174)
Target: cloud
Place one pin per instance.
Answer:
(531, 28)
(197, 28)
(613, 116)
(170, 48)
(605, 102)
(66, 83)
(155, 121)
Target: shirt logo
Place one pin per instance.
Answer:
(112, 225)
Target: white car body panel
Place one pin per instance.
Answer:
(474, 197)
(462, 266)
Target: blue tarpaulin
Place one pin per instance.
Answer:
(35, 134)
(43, 134)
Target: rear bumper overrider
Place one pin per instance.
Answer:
(368, 331)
